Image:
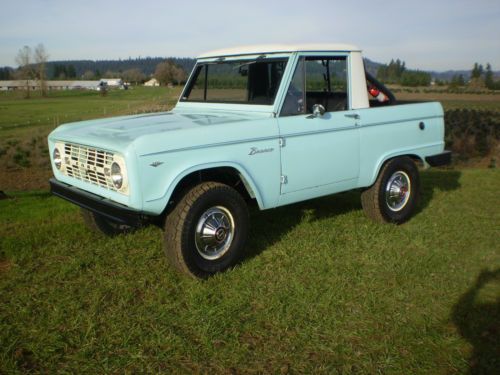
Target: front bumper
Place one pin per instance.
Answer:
(109, 209)
(439, 160)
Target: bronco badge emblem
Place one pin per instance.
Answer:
(255, 150)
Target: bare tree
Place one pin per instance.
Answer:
(133, 75)
(112, 74)
(168, 72)
(25, 71)
(41, 57)
(88, 75)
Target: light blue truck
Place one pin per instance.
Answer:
(274, 124)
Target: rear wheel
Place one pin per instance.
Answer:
(394, 196)
(102, 224)
(207, 230)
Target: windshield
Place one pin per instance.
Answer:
(236, 81)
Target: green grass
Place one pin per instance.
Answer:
(322, 290)
(20, 117)
(26, 123)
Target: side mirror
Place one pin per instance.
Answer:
(318, 110)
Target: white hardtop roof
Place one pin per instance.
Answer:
(277, 48)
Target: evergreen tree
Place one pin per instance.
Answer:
(6, 73)
(70, 71)
(477, 71)
(415, 78)
(457, 81)
(488, 77)
(392, 73)
(59, 71)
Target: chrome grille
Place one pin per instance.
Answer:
(89, 164)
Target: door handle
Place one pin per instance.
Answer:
(353, 115)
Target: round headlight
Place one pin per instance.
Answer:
(56, 156)
(116, 175)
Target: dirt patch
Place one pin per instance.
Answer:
(4, 266)
(24, 179)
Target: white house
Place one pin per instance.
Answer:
(112, 82)
(152, 82)
(18, 84)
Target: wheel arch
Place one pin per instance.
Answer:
(229, 173)
(418, 160)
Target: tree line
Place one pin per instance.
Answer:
(484, 76)
(480, 77)
(90, 69)
(33, 65)
(396, 72)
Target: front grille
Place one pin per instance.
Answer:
(88, 164)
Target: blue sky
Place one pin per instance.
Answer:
(427, 34)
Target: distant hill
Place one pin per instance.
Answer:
(448, 75)
(372, 66)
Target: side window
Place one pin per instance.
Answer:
(318, 80)
(326, 83)
(294, 100)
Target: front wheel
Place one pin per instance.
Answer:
(394, 196)
(207, 230)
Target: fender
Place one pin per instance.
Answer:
(410, 152)
(247, 180)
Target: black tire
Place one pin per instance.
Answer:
(389, 200)
(207, 205)
(99, 223)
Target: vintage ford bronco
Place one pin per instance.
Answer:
(272, 124)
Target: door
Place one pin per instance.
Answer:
(318, 150)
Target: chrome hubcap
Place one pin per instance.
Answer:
(214, 232)
(397, 191)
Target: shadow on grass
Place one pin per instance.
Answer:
(436, 179)
(269, 226)
(479, 323)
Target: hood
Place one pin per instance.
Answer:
(116, 133)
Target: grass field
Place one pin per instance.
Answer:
(19, 116)
(25, 124)
(322, 289)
